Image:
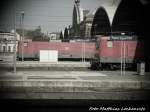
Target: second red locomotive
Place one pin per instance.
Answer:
(111, 51)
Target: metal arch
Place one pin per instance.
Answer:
(101, 22)
(127, 16)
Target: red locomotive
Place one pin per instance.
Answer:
(107, 52)
(66, 50)
(111, 51)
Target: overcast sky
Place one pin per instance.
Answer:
(51, 15)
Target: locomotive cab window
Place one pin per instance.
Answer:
(25, 44)
(109, 44)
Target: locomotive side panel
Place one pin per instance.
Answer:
(28, 50)
(109, 51)
(65, 50)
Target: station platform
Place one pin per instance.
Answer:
(105, 85)
(61, 65)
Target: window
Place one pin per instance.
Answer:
(9, 48)
(25, 44)
(4, 48)
(110, 44)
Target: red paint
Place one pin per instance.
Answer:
(64, 48)
(133, 49)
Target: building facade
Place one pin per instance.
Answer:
(7, 42)
(86, 25)
(81, 22)
(54, 36)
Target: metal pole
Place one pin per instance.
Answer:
(124, 64)
(22, 18)
(23, 35)
(49, 48)
(121, 56)
(122, 46)
(84, 50)
(15, 52)
(15, 39)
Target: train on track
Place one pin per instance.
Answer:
(66, 50)
(114, 51)
(106, 52)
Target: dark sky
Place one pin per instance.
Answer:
(51, 15)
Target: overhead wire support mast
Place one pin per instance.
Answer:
(123, 50)
(124, 64)
(84, 50)
(22, 39)
(15, 39)
(121, 55)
